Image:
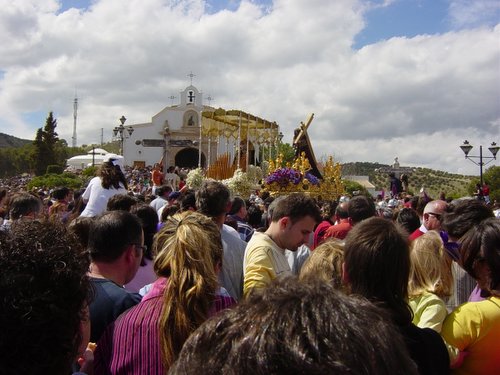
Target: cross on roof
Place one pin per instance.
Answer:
(191, 75)
(209, 98)
(171, 97)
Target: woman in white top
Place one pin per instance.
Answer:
(110, 181)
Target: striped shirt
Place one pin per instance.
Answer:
(132, 344)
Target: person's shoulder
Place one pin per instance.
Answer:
(229, 240)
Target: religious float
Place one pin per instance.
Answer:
(276, 175)
(304, 175)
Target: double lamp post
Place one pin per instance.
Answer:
(466, 147)
(120, 132)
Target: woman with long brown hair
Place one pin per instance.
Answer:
(148, 337)
(109, 182)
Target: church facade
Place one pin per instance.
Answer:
(191, 134)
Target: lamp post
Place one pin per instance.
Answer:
(466, 147)
(120, 134)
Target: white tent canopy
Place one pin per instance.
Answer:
(93, 157)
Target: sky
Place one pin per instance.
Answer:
(384, 78)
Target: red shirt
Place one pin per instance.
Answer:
(340, 230)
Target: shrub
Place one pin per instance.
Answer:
(54, 169)
(53, 180)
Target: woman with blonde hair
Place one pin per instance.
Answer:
(148, 337)
(431, 281)
(325, 263)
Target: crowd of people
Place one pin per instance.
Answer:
(127, 277)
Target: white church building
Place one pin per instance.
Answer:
(191, 134)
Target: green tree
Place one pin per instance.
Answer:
(50, 138)
(46, 149)
(40, 153)
(355, 188)
(492, 177)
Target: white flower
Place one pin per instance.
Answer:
(195, 178)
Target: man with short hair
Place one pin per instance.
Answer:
(292, 222)
(359, 208)
(116, 245)
(161, 200)
(431, 219)
(238, 212)
(213, 200)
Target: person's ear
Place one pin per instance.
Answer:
(130, 254)
(283, 222)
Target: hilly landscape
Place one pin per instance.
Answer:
(8, 141)
(434, 181)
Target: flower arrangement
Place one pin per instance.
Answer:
(195, 178)
(239, 184)
(255, 173)
(282, 177)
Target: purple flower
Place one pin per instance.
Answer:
(312, 179)
(284, 177)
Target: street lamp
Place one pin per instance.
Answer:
(120, 134)
(466, 147)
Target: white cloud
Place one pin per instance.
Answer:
(473, 13)
(416, 98)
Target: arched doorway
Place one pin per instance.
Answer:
(188, 158)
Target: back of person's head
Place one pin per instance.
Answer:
(430, 269)
(149, 221)
(188, 252)
(420, 205)
(325, 263)
(360, 208)
(236, 204)
(24, 204)
(481, 246)
(60, 193)
(188, 201)
(112, 175)
(163, 191)
(295, 206)
(328, 209)
(45, 290)
(212, 198)
(121, 202)
(463, 214)
(297, 328)
(341, 210)
(112, 233)
(169, 211)
(377, 265)
(408, 219)
(254, 214)
(81, 227)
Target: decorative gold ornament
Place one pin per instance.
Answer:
(285, 179)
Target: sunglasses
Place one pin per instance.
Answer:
(437, 216)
